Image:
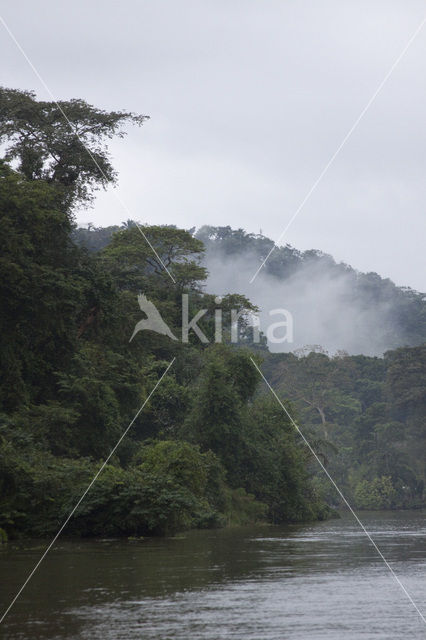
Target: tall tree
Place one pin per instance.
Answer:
(61, 142)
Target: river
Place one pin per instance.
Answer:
(316, 581)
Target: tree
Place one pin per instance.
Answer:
(316, 384)
(274, 466)
(135, 267)
(219, 408)
(215, 419)
(42, 287)
(68, 150)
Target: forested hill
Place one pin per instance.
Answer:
(206, 449)
(211, 447)
(333, 304)
(363, 415)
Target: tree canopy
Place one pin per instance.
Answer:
(61, 143)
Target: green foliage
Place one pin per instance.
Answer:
(136, 267)
(42, 287)
(93, 238)
(371, 411)
(174, 487)
(180, 460)
(378, 493)
(275, 466)
(254, 439)
(205, 450)
(243, 508)
(64, 152)
(216, 417)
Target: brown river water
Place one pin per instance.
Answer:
(315, 581)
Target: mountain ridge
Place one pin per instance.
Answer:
(332, 303)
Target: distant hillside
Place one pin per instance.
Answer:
(332, 304)
(364, 416)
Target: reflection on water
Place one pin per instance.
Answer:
(316, 581)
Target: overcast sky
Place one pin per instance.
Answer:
(248, 101)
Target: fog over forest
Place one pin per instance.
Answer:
(324, 298)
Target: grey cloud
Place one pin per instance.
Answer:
(248, 100)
